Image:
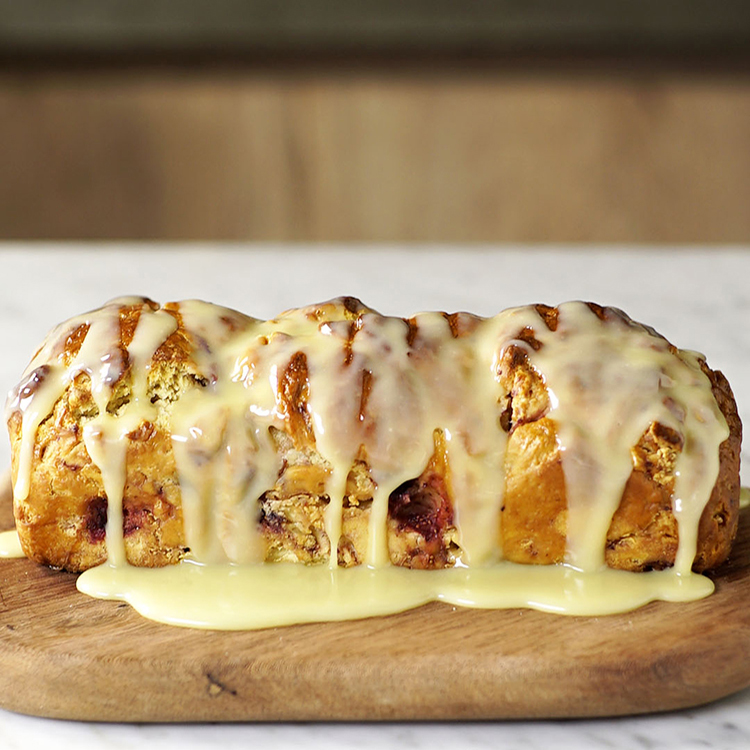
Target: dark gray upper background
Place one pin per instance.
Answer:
(115, 27)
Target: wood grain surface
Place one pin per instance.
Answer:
(501, 152)
(67, 656)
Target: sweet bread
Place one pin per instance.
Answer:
(148, 433)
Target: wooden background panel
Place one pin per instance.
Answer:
(489, 152)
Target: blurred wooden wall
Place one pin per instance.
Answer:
(484, 151)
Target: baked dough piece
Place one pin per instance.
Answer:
(643, 532)
(303, 443)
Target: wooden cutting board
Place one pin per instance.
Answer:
(65, 655)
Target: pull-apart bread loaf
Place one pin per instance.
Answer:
(543, 435)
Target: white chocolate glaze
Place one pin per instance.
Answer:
(380, 385)
(10, 544)
(244, 597)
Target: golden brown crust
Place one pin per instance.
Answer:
(643, 534)
(61, 523)
(718, 524)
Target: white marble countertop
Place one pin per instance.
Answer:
(698, 297)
